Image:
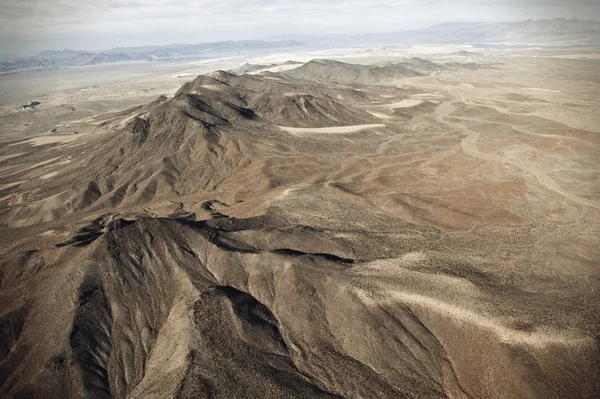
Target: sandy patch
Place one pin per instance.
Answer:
(212, 87)
(427, 96)
(293, 93)
(57, 138)
(379, 115)
(299, 131)
(406, 103)
(537, 338)
(40, 164)
(48, 175)
(540, 89)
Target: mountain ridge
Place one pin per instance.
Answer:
(66, 57)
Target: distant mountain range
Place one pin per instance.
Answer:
(554, 32)
(558, 31)
(63, 58)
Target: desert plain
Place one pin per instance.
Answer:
(344, 227)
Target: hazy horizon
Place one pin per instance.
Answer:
(28, 27)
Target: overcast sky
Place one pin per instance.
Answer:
(29, 26)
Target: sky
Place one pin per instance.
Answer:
(29, 26)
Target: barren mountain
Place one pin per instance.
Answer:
(79, 59)
(318, 233)
(64, 58)
(335, 71)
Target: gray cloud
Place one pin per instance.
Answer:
(105, 23)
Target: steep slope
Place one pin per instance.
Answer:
(173, 308)
(207, 136)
